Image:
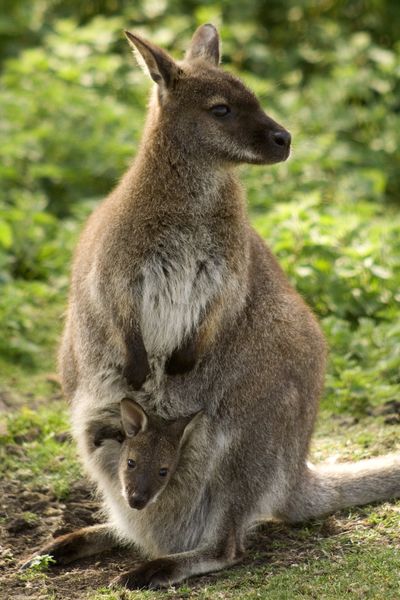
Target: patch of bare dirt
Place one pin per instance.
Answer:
(22, 534)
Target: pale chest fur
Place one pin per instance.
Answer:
(179, 282)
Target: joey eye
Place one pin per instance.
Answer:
(163, 472)
(220, 110)
(131, 463)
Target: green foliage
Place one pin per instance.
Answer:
(337, 256)
(345, 261)
(364, 364)
(73, 103)
(68, 134)
(41, 563)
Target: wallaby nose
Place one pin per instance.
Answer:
(282, 138)
(138, 500)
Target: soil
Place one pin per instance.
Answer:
(21, 536)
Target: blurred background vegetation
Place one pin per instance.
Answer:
(72, 106)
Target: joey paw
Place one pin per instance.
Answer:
(153, 574)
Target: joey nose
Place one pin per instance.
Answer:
(138, 501)
(282, 138)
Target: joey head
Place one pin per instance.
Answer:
(150, 452)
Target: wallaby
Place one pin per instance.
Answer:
(150, 453)
(177, 303)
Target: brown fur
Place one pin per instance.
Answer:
(170, 259)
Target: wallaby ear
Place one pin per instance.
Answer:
(133, 417)
(205, 44)
(154, 61)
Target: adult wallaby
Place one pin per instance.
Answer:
(177, 302)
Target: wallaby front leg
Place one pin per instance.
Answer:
(137, 366)
(184, 358)
(167, 570)
(78, 544)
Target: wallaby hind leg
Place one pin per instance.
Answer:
(78, 544)
(170, 569)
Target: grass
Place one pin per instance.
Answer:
(354, 554)
(35, 449)
(353, 572)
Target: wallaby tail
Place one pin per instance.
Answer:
(327, 488)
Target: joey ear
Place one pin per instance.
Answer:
(133, 417)
(154, 61)
(184, 426)
(205, 44)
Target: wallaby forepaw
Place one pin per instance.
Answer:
(154, 574)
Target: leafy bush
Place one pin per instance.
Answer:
(73, 103)
(67, 133)
(337, 257)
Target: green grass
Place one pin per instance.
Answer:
(354, 573)
(33, 451)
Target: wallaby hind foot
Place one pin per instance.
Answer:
(168, 570)
(78, 544)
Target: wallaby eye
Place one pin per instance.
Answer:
(220, 110)
(131, 463)
(163, 472)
